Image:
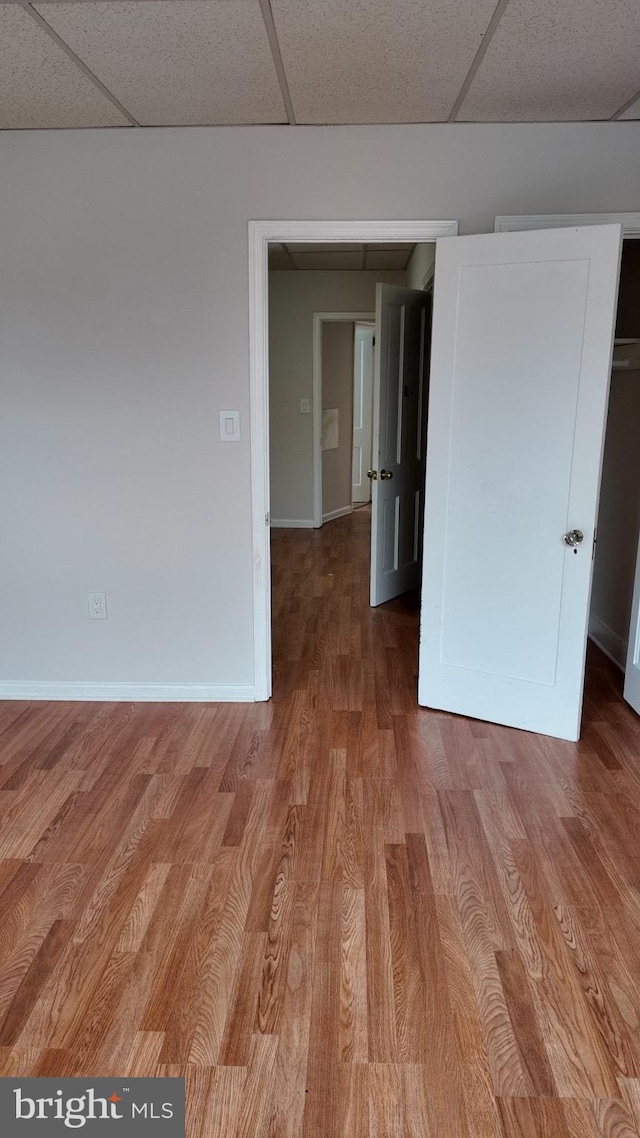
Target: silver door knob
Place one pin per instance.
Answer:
(573, 537)
(386, 474)
(372, 474)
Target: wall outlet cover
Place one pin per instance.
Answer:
(97, 606)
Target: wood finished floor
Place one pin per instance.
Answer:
(335, 914)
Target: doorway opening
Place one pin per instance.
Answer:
(479, 470)
(349, 341)
(343, 382)
(375, 236)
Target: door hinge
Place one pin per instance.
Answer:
(595, 539)
(266, 519)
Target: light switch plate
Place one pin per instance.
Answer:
(229, 426)
(305, 406)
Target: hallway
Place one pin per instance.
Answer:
(338, 915)
(327, 641)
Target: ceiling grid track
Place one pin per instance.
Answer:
(479, 56)
(242, 62)
(42, 23)
(272, 36)
(290, 256)
(625, 106)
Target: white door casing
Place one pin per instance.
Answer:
(521, 357)
(632, 672)
(362, 411)
(400, 402)
(260, 233)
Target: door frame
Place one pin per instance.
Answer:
(260, 234)
(320, 318)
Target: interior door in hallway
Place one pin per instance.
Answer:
(400, 402)
(521, 361)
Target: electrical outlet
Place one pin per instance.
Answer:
(97, 606)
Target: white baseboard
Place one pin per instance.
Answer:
(337, 514)
(129, 693)
(291, 523)
(611, 644)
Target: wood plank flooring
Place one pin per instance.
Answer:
(336, 914)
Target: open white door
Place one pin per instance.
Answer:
(362, 412)
(520, 367)
(632, 673)
(400, 400)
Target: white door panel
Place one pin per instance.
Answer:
(403, 340)
(522, 341)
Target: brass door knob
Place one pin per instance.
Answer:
(372, 474)
(386, 474)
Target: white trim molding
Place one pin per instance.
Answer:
(127, 693)
(608, 641)
(260, 234)
(630, 222)
(320, 318)
(333, 514)
(292, 523)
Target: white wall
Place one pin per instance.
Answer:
(294, 296)
(420, 267)
(124, 329)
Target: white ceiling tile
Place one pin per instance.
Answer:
(325, 247)
(557, 60)
(387, 259)
(337, 256)
(408, 246)
(632, 112)
(39, 85)
(376, 60)
(279, 260)
(334, 260)
(173, 62)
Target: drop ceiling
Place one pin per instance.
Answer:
(319, 256)
(128, 63)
